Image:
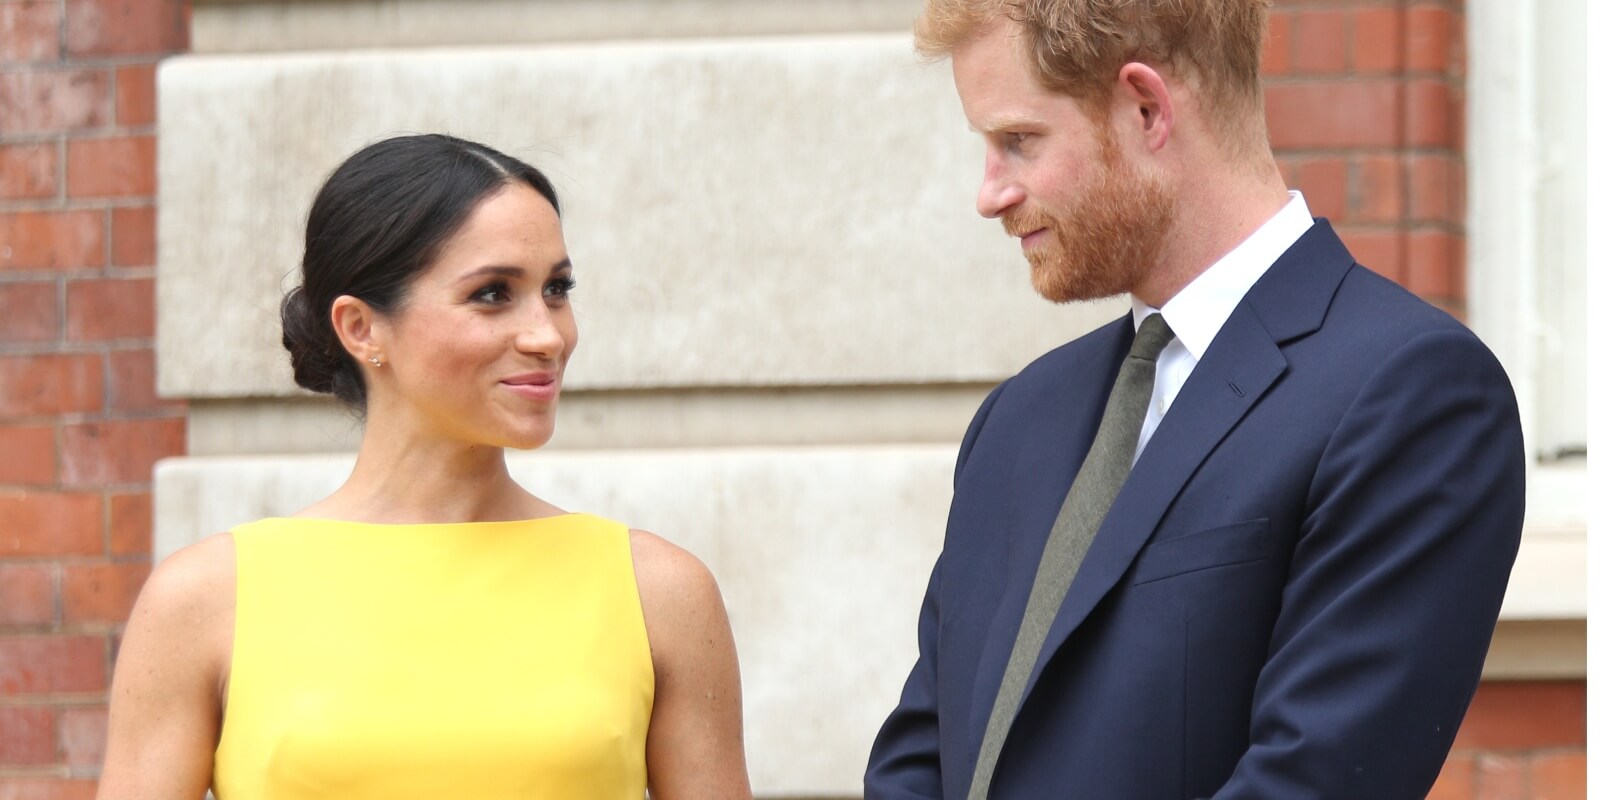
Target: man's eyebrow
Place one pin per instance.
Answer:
(1006, 122)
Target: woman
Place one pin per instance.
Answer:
(430, 629)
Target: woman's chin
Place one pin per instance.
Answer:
(529, 440)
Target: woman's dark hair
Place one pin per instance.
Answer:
(377, 223)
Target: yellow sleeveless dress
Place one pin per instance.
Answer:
(477, 660)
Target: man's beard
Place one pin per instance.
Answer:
(1107, 242)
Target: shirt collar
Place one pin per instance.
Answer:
(1197, 312)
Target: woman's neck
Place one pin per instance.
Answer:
(403, 476)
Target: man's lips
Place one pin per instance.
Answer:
(1030, 240)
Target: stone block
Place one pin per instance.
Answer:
(222, 26)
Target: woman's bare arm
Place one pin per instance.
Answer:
(166, 694)
(695, 748)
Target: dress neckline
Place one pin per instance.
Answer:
(422, 525)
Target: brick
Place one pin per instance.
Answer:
(1289, 170)
(133, 383)
(28, 171)
(133, 237)
(52, 664)
(1456, 781)
(124, 27)
(29, 31)
(1502, 777)
(27, 736)
(1433, 40)
(1319, 44)
(100, 592)
(83, 736)
(47, 789)
(52, 239)
(1438, 189)
(1275, 48)
(1455, 308)
(1325, 184)
(116, 167)
(97, 454)
(50, 384)
(28, 312)
(100, 309)
(1334, 114)
(131, 518)
(1377, 40)
(1560, 776)
(52, 101)
(51, 524)
(27, 594)
(136, 94)
(1525, 715)
(27, 455)
(1382, 252)
(1432, 115)
(1379, 194)
(1435, 265)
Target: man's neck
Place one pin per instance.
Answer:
(1215, 214)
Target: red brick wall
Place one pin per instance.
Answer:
(1364, 100)
(80, 425)
(1364, 105)
(1520, 741)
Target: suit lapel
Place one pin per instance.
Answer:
(1240, 366)
(1059, 435)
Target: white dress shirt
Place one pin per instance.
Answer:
(1198, 310)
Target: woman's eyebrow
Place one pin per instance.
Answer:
(493, 269)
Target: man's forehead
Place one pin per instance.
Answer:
(997, 89)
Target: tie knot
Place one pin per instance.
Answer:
(1153, 337)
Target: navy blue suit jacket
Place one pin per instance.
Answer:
(1291, 597)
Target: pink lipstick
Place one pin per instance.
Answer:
(533, 385)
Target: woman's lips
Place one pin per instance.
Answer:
(533, 386)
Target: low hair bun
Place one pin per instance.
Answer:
(314, 350)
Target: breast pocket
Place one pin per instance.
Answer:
(1239, 543)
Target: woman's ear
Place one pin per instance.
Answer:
(358, 327)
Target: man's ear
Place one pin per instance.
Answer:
(358, 327)
(1140, 88)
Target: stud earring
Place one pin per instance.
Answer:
(376, 362)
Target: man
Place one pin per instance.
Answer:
(1256, 550)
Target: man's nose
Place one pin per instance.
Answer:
(999, 191)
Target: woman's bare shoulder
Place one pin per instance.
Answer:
(193, 585)
(683, 611)
(670, 575)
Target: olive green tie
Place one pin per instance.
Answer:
(1099, 479)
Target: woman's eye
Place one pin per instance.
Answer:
(493, 294)
(560, 287)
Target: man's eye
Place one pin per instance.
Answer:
(1014, 141)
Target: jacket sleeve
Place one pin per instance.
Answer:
(904, 763)
(1412, 521)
